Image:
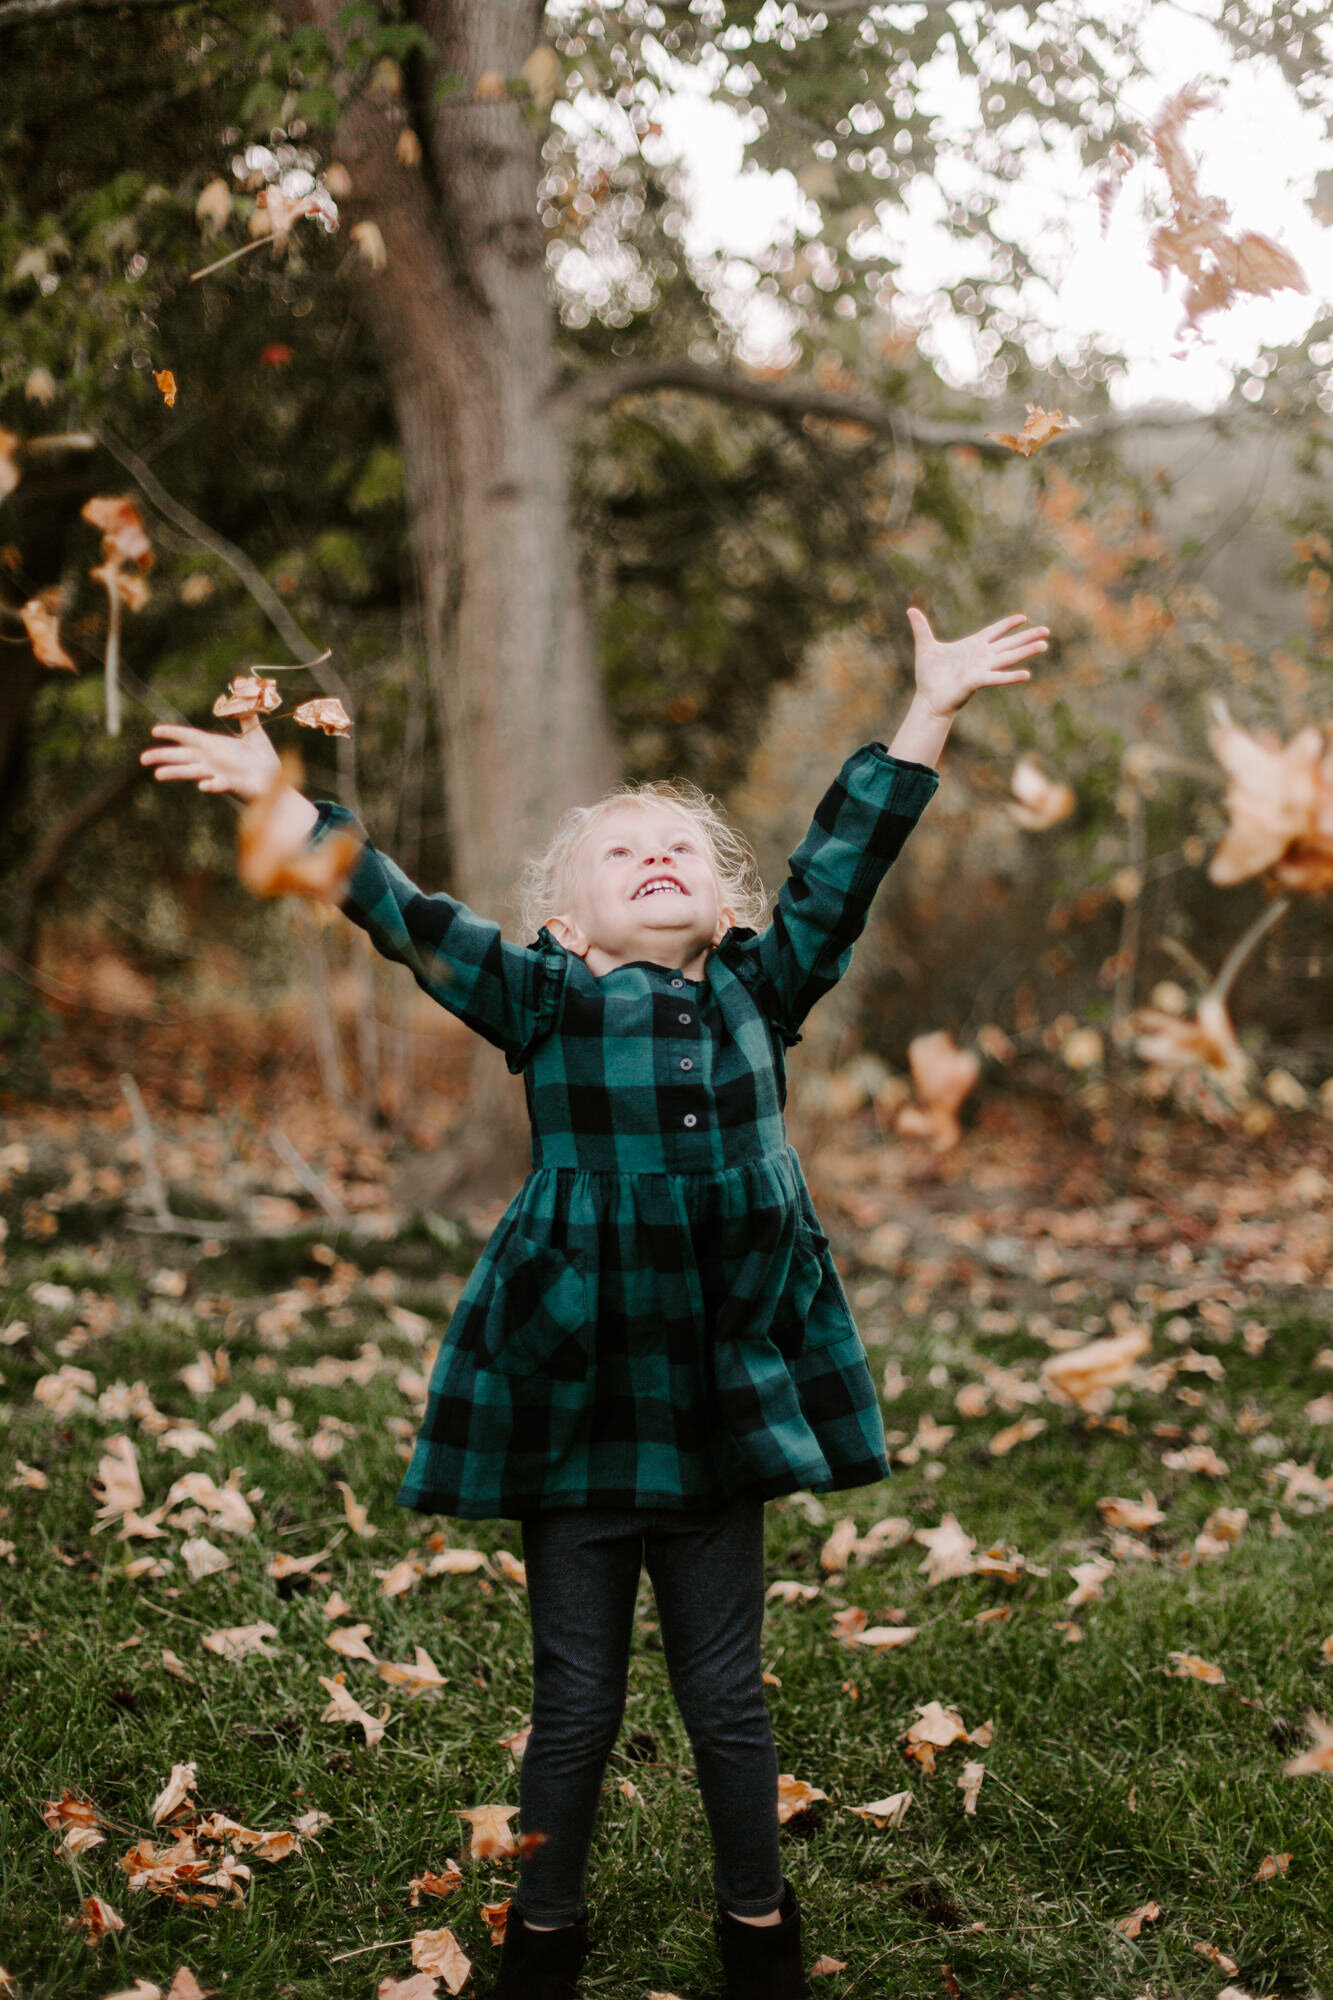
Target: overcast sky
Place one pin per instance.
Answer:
(1257, 150)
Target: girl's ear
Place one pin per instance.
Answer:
(566, 932)
(725, 919)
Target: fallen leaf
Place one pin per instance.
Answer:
(969, 1784)
(1130, 1926)
(1089, 1577)
(174, 1797)
(344, 1708)
(950, 1551)
(41, 622)
(888, 1812)
(1022, 1432)
(849, 1623)
(176, 1667)
(787, 1591)
(1081, 1373)
(185, 1986)
(1217, 1958)
(1134, 1515)
(202, 1558)
(442, 1884)
(120, 1490)
(10, 443)
(837, 1550)
(99, 1920)
(350, 1641)
(421, 1986)
(795, 1796)
(419, 1678)
(1272, 1865)
(884, 1638)
(824, 1964)
(491, 1838)
(942, 1077)
(1039, 427)
(238, 1642)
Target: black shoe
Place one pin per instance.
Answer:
(540, 1965)
(763, 1961)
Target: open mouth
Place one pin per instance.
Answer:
(659, 885)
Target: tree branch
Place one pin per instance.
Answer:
(14, 11)
(789, 396)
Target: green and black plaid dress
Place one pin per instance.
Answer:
(656, 1320)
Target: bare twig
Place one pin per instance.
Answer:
(306, 1175)
(143, 1129)
(1246, 943)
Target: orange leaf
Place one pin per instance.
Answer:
(1319, 1757)
(9, 472)
(248, 694)
(1039, 802)
(1271, 1865)
(1130, 1926)
(41, 621)
(1039, 428)
(99, 1920)
(268, 867)
(166, 382)
(326, 713)
(442, 1884)
(1188, 1666)
(123, 534)
(795, 1796)
(440, 1953)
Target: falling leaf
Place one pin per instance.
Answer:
(10, 475)
(969, 1784)
(888, 1812)
(350, 1641)
(166, 383)
(369, 240)
(443, 1884)
(1135, 1515)
(344, 1708)
(124, 537)
(1271, 1865)
(41, 622)
(280, 214)
(1039, 427)
(248, 694)
(268, 867)
(1130, 1926)
(795, 1796)
(324, 713)
(1319, 1757)
(440, 1953)
(942, 1076)
(543, 75)
(40, 387)
(1188, 1666)
(1089, 1577)
(1039, 802)
(1082, 1372)
(175, 1794)
(238, 1642)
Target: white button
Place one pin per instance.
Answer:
(684, 1020)
(686, 1063)
(678, 982)
(690, 1120)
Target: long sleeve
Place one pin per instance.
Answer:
(856, 835)
(511, 994)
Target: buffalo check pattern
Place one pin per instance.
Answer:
(656, 1320)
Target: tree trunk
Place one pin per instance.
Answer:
(464, 325)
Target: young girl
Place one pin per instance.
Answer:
(654, 1340)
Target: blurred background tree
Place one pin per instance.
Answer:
(495, 443)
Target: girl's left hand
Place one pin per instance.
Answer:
(950, 671)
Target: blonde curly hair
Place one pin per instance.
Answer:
(544, 884)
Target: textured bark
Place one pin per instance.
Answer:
(462, 318)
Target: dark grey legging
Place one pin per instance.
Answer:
(707, 1572)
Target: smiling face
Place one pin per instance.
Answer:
(642, 885)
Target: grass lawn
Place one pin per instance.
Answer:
(1110, 1782)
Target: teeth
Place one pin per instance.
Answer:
(656, 889)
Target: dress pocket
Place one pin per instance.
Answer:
(539, 1322)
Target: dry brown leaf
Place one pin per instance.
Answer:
(166, 383)
(443, 1884)
(516, 1743)
(889, 1812)
(1135, 1515)
(1039, 427)
(823, 1965)
(1318, 1759)
(41, 622)
(439, 1953)
(1022, 1432)
(491, 1838)
(969, 1784)
(1196, 1458)
(849, 1623)
(1271, 1865)
(174, 1797)
(1089, 1578)
(837, 1550)
(1146, 1913)
(10, 442)
(950, 1551)
(119, 1488)
(400, 1577)
(1217, 1958)
(124, 538)
(421, 1677)
(99, 1920)
(247, 695)
(350, 1641)
(421, 1986)
(1188, 1666)
(1082, 1373)
(326, 713)
(942, 1076)
(238, 1642)
(1039, 802)
(185, 1986)
(795, 1796)
(884, 1638)
(787, 1591)
(268, 867)
(344, 1708)
(1071, 1628)
(142, 1989)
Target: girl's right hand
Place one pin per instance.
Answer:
(215, 761)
